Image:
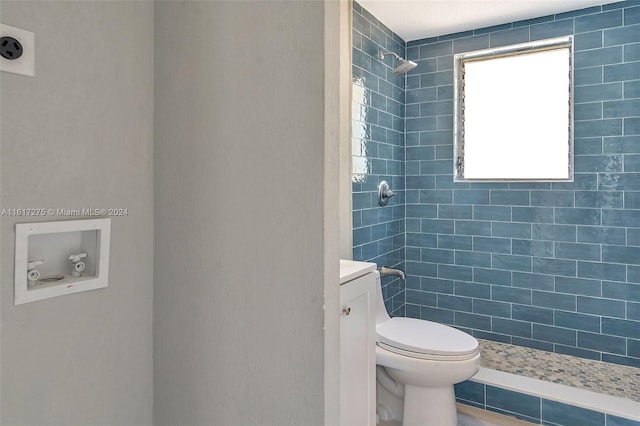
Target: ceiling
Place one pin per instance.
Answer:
(416, 19)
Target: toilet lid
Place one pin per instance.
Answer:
(425, 337)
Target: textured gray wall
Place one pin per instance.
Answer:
(78, 135)
(239, 190)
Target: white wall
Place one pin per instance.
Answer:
(246, 219)
(243, 251)
(79, 135)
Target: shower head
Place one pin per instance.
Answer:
(402, 65)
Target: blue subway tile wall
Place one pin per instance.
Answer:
(547, 265)
(378, 121)
(532, 408)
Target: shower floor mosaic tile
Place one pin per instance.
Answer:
(595, 376)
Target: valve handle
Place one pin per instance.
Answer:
(76, 257)
(384, 193)
(34, 263)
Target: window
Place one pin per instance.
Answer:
(514, 113)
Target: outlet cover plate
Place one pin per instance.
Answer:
(25, 64)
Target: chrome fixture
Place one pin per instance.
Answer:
(384, 193)
(402, 65)
(391, 272)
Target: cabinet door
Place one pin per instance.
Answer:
(357, 352)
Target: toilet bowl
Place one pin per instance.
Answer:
(421, 361)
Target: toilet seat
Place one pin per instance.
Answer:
(422, 339)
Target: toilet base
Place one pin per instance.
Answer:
(429, 406)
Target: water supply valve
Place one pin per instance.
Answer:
(32, 273)
(78, 265)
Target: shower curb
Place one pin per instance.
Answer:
(583, 399)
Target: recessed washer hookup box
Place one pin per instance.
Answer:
(59, 258)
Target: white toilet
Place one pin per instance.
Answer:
(421, 361)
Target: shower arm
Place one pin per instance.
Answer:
(386, 52)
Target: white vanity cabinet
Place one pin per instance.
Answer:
(358, 282)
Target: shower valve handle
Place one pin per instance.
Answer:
(384, 193)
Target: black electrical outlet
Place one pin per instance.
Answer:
(10, 48)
